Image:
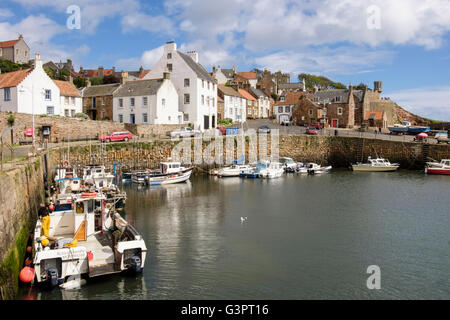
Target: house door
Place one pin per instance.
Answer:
(334, 123)
(206, 122)
(213, 121)
(132, 118)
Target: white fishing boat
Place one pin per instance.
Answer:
(96, 175)
(274, 170)
(65, 171)
(314, 168)
(376, 165)
(288, 164)
(442, 167)
(87, 239)
(233, 171)
(302, 168)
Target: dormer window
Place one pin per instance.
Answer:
(338, 99)
(169, 66)
(169, 55)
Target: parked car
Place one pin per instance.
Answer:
(316, 125)
(117, 136)
(222, 130)
(286, 123)
(264, 129)
(312, 131)
(185, 132)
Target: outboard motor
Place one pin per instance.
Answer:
(52, 277)
(135, 264)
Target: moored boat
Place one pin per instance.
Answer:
(288, 164)
(274, 170)
(254, 171)
(442, 167)
(233, 171)
(314, 168)
(376, 165)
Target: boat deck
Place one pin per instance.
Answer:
(103, 261)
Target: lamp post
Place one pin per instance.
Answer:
(325, 103)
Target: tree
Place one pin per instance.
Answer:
(111, 79)
(95, 81)
(8, 66)
(312, 80)
(79, 82)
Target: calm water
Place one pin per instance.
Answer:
(306, 237)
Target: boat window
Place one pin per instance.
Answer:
(90, 206)
(80, 207)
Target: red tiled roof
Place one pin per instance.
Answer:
(144, 73)
(290, 98)
(378, 115)
(7, 44)
(248, 75)
(94, 73)
(12, 79)
(246, 95)
(219, 99)
(67, 89)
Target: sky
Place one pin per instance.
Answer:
(404, 43)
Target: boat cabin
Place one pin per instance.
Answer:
(171, 167)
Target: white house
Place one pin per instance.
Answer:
(71, 101)
(153, 101)
(282, 110)
(234, 104)
(263, 102)
(29, 91)
(196, 89)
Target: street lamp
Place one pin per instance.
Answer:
(325, 102)
(32, 104)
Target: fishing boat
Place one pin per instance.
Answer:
(87, 238)
(376, 165)
(139, 177)
(288, 164)
(170, 178)
(233, 171)
(400, 128)
(65, 170)
(254, 170)
(274, 170)
(314, 168)
(442, 167)
(126, 176)
(96, 175)
(418, 129)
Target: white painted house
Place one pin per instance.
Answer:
(196, 89)
(263, 102)
(71, 101)
(234, 104)
(29, 91)
(153, 101)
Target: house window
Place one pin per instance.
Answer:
(66, 112)
(169, 118)
(213, 102)
(340, 111)
(66, 100)
(132, 102)
(169, 55)
(187, 98)
(282, 98)
(310, 112)
(280, 109)
(186, 83)
(120, 118)
(287, 109)
(7, 94)
(338, 99)
(103, 101)
(144, 118)
(50, 110)
(48, 94)
(73, 101)
(103, 114)
(169, 66)
(163, 102)
(186, 117)
(72, 113)
(145, 101)
(203, 100)
(120, 103)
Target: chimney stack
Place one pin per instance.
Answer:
(124, 77)
(20, 36)
(101, 71)
(88, 83)
(166, 74)
(37, 61)
(193, 55)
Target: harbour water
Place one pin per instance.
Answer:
(306, 237)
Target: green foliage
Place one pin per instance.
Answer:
(82, 115)
(111, 79)
(95, 81)
(274, 96)
(11, 120)
(62, 75)
(8, 66)
(79, 82)
(225, 122)
(320, 81)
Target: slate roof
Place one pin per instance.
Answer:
(196, 67)
(298, 85)
(258, 92)
(12, 79)
(101, 90)
(228, 91)
(139, 88)
(229, 73)
(67, 89)
(333, 93)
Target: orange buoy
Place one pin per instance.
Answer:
(26, 274)
(90, 256)
(28, 262)
(29, 249)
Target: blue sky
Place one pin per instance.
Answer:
(404, 43)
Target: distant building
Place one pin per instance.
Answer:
(30, 91)
(235, 105)
(263, 102)
(223, 76)
(71, 101)
(98, 101)
(252, 104)
(16, 51)
(102, 72)
(196, 88)
(152, 101)
(282, 110)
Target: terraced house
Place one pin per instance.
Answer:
(235, 105)
(16, 51)
(98, 101)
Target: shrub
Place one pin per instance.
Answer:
(82, 115)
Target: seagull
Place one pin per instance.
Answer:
(243, 219)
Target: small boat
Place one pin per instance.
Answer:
(418, 129)
(139, 177)
(126, 176)
(442, 167)
(87, 238)
(254, 171)
(274, 170)
(233, 171)
(176, 177)
(96, 175)
(376, 165)
(302, 168)
(400, 128)
(314, 168)
(288, 164)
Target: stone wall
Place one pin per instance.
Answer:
(21, 191)
(75, 128)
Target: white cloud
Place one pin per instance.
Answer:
(148, 23)
(147, 60)
(428, 102)
(6, 13)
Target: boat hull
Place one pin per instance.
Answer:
(374, 169)
(170, 179)
(437, 171)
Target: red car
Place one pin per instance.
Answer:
(317, 125)
(117, 136)
(312, 131)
